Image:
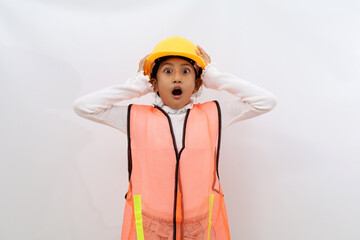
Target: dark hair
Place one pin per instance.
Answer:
(158, 61)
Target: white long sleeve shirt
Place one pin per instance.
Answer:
(99, 106)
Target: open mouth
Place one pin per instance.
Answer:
(177, 92)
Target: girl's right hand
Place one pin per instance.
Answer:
(142, 63)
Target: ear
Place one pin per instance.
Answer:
(198, 82)
(154, 83)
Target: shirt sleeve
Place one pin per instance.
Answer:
(99, 106)
(252, 100)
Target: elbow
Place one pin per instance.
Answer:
(84, 108)
(78, 106)
(266, 104)
(271, 102)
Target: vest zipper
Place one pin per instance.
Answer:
(177, 154)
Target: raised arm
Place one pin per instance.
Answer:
(99, 106)
(252, 99)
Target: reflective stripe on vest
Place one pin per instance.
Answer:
(210, 214)
(138, 217)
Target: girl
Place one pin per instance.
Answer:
(173, 145)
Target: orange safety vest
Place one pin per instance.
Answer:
(174, 193)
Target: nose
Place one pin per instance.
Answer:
(177, 78)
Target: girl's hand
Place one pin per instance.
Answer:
(201, 52)
(142, 63)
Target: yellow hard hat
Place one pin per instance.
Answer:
(173, 46)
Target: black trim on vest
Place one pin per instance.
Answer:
(177, 160)
(171, 129)
(129, 144)
(184, 132)
(219, 137)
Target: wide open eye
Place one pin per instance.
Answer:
(168, 70)
(185, 70)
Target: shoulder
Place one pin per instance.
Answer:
(140, 106)
(138, 109)
(211, 108)
(208, 105)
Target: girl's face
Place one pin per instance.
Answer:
(175, 82)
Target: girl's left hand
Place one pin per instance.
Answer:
(201, 52)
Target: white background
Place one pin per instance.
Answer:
(292, 173)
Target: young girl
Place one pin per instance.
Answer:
(173, 145)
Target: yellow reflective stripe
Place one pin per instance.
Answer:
(210, 213)
(138, 217)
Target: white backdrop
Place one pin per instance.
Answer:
(293, 173)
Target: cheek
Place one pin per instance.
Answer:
(192, 82)
(160, 83)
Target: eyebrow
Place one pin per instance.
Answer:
(183, 64)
